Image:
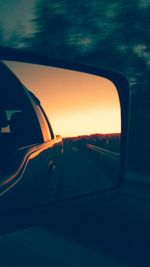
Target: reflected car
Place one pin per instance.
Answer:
(31, 154)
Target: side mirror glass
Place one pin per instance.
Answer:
(85, 110)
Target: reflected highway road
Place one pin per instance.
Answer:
(104, 152)
(83, 173)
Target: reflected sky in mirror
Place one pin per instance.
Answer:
(75, 103)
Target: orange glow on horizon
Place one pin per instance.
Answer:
(75, 103)
(73, 122)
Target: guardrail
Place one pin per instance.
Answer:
(107, 153)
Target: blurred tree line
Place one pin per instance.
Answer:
(101, 32)
(106, 33)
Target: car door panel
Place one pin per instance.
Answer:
(31, 185)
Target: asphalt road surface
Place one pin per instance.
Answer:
(117, 234)
(114, 234)
(83, 174)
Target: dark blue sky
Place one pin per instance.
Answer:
(15, 15)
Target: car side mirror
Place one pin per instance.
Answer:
(88, 106)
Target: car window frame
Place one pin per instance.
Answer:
(43, 122)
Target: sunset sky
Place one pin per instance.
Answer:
(75, 103)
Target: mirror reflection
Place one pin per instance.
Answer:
(85, 110)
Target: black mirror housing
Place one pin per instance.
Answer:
(11, 182)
